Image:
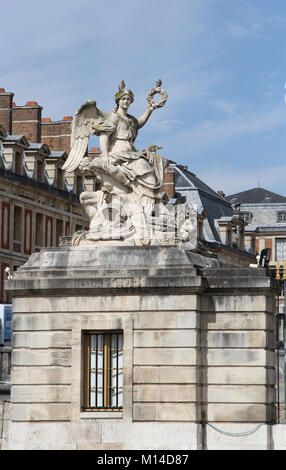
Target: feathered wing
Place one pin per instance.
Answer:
(85, 118)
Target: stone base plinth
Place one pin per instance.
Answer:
(198, 348)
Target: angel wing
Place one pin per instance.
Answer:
(85, 118)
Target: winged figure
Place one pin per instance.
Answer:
(117, 132)
(129, 180)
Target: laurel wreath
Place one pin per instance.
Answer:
(157, 104)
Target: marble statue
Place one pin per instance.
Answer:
(128, 205)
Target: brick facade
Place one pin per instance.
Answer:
(169, 183)
(35, 198)
(57, 133)
(26, 120)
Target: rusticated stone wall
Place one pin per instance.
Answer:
(198, 349)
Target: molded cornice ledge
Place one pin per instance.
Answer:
(109, 270)
(130, 269)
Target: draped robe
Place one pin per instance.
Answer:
(144, 169)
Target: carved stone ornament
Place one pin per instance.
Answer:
(128, 207)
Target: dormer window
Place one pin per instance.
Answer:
(281, 216)
(247, 216)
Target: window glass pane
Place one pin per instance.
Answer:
(116, 366)
(105, 372)
(18, 224)
(281, 249)
(281, 217)
(246, 216)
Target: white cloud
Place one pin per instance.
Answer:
(238, 31)
(255, 23)
(208, 134)
(232, 179)
(226, 106)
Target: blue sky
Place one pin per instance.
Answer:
(222, 63)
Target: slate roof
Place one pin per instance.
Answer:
(187, 179)
(14, 137)
(256, 196)
(272, 228)
(57, 153)
(214, 204)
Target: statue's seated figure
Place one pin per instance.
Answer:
(130, 181)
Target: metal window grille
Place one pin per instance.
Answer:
(104, 371)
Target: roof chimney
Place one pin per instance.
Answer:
(26, 120)
(6, 100)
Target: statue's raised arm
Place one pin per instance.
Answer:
(152, 104)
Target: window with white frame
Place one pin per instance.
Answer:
(281, 216)
(103, 371)
(246, 216)
(280, 249)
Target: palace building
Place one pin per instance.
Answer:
(38, 204)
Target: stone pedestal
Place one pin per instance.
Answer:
(198, 348)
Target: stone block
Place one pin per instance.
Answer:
(167, 374)
(89, 431)
(240, 375)
(165, 412)
(152, 435)
(165, 320)
(40, 394)
(39, 436)
(102, 303)
(39, 340)
(40, 412)
(240, 394)
(240, 339)
(143, 412)
(165, 356)
(177, 412)
(41, 357)
(42, 321)
(164, 393)
(41, 375)
(242, 412)
(103, 321)
(238, 321)
(236, 303)
(240, 357)
(165, 338)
